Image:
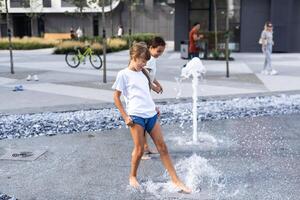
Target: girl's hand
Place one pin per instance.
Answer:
(156, 89)
(128, 121)
(161, 89)
(158, 111)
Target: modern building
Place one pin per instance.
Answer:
(246, 20)
(172, 19)
(36, 17)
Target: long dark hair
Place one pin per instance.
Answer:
(156, 41)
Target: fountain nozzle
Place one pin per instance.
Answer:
(194, 67)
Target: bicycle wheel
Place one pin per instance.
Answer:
(72, 59)
(96, 61)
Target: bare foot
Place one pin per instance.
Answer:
(183, 188)
(150, 151)
(133, 182)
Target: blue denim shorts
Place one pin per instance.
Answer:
(146, 123)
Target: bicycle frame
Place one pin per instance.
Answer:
(87, 52)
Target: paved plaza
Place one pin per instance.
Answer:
(238, 158)
(63, 88)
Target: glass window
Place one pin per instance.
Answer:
(139, 2)
(164, 1)
(196, 4)
(201, 16)
(47, 3)
(72, 3)
(19, 3)
(67, 3)
(203, 11)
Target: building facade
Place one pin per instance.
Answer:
(246, 21)
(36, 17)
(171, 19)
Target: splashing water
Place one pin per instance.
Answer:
(178, 89)
(196, 69)
(196, 172)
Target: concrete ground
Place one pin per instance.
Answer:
(256, 158)
(250, 158)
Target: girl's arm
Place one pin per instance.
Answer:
(159, 87)
(158, 84)
(119, 105)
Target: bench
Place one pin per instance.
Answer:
(57, 36)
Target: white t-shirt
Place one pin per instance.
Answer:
(135, 89)
(120, 32)
(151, 66)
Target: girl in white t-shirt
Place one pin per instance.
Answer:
(156, 47)
(141, 113)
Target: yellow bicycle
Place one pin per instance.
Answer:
(74, 58)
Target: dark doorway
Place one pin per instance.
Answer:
(21, 25)
(95, 26)
(3, 28)
(41, 26)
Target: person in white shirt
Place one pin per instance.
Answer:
(120, 31)
(141, 113)
(79, 32)
(156, 47)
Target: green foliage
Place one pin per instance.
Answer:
(209, 37)
(96, 51)
(216, 54)
(24, 46)
(139, 37)
(219, 54)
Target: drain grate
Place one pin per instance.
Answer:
(17, 154)
(23, 154)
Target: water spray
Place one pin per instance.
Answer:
(196, 69)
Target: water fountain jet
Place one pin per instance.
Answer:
(196, 69)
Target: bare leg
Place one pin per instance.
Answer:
(137, 133)
(165, 157)
(147, 150)
(146, 146)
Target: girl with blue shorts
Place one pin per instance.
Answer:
(141, 113)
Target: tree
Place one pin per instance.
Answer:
(35, 11)
(81, 5)
(103, 40)
(215, 25)
(111, 18)
(227, 40)
(9, 39)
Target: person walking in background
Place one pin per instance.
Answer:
(120, 31)
(266, 41)
(194, 39)
(141, 114)
(79, 33)
(72, 33)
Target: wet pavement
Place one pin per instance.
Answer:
(249, 158)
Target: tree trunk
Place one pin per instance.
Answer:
(227, 40)
(103, 43)
(130, 22)
(111, 18)
(32, 23)
(9, 40)
(215, 24)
